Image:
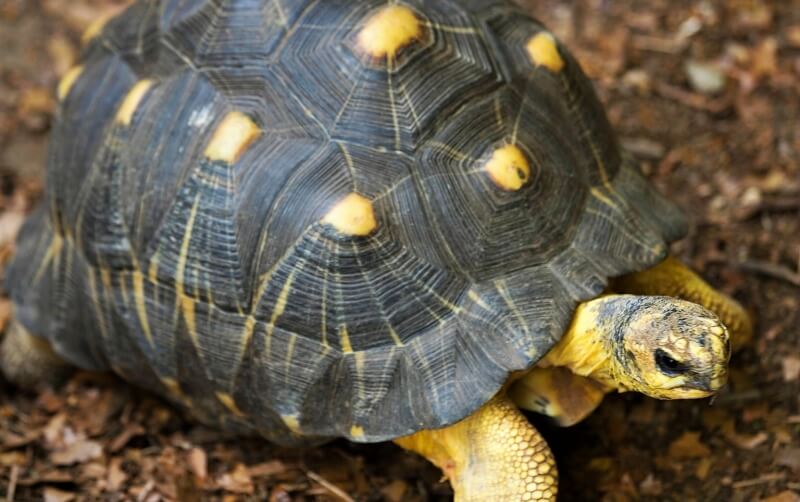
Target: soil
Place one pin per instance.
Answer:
(705, 93)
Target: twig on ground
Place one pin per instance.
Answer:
(694, 100)
(335, 490)
(764, 478)
(770, 205)
(12, 483)
(771, 270)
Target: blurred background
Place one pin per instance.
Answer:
(705, 93)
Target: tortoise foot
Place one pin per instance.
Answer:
(28, 360)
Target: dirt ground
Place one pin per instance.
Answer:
(706, 93)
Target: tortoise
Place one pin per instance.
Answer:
(378, 221)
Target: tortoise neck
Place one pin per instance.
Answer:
(587, 348)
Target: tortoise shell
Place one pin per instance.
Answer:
(315, 219)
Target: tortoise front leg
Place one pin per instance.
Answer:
(673, 278)
(557, 392)
(28, 360)
(494, 454)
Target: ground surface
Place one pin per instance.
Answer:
(724, 143)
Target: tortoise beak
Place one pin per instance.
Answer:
(705, 386)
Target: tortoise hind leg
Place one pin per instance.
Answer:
(28, 360)
(673, 278)
(494, 454)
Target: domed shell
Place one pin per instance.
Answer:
(315, 219)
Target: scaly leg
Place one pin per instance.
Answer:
(673, 278)
(494, 454)
(28, 360)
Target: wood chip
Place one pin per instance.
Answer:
(55, 495)
(784, 496)
(198, 463)
(763, 479)
(744, 441)
(395, 491)
(131, 430)
(267, 469)
(333, 489)
(703, 468)
(788, 457)
(791, 368)
(688, 445)
(12, 483)
(116, 476)
(237, 481)
(77, 452)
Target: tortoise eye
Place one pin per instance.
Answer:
(668, 365)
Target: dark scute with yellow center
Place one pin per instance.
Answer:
(221, 286)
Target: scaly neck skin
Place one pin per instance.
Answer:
(586, 347)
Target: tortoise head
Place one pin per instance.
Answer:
(670, 349)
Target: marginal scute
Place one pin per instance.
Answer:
(132, 100)
(543, 51)
(356, 431)
(353, 216)
(172, 385)
(508, 168)
(228, 401)
(232, 137)
(95, 28)
(67, 81)
(292, 423)
(388, 30)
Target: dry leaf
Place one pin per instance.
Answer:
(744, 441)
(791, 368)
(35, 100)
(130, 431)
(788, 457)
(784, 496)
(688, 446)
(12, 458)
(765, 60)
(10, 223)
(714, 417)
(651, 486)
(78, 452)
(395, 491)
(198, 463)
(793, 35)
(237, 481)
(755, 412)
(116, 476)
(267, 469)
(54, 430)
(280, 494)
(56, 495)
(703, 468)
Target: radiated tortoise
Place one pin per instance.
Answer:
(338, 218)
